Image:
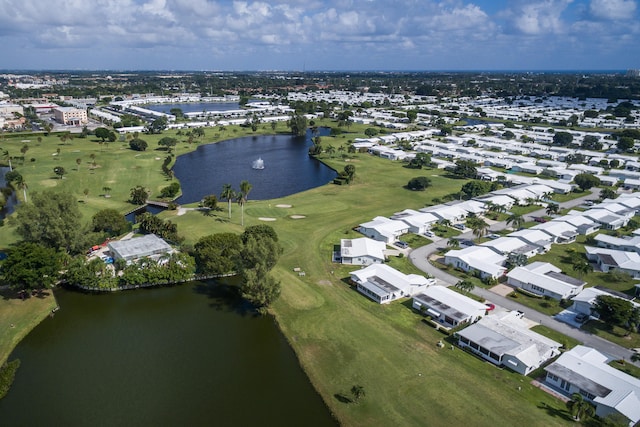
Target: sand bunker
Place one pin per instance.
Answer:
(297, 216)
(262, 218)
(283, 206)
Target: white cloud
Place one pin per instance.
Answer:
(538, 17)
(612, 9)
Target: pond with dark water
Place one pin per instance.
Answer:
(194, 107)
(191, 355)
(288, 168)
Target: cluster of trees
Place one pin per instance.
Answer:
(298, 124)
(617, 311)
(170, 191)
(110, 222)
(347, 175)
(151, 224)
(230, 195)
(419, 161)
(419, 183)
(465, 169)
(138, 144)
(252, 255)
(138, 195)
(105, 134)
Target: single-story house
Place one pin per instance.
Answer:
(471, 206)
(498, 200)
(586, 371)
(607, 219)
(506, 245)
(418, 222)
(452, 214)
(483, 260)
(448, 307)
(384, 229)
(362, 251)
(584, 226)
(545, 279)
(585, 301)
(534, 237)
(384, 284)
(131, 250)
(505, 340)
(629, 244)
(612, 259)
(527, 168)
(561, 232)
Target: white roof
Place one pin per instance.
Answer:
(616, 258)
(139, 247)
(537, 237)
(362, 247)
(378, 277)
(385, 226)
(505, 245)
(556, 228)
(546, 276)
(480, 258)
(452, 299)
(587, 368)
(446, 212)
(508, 334)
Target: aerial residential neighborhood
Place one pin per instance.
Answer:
(512, 245)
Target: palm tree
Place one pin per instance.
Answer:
(229, 194)
(21, 184)
(465, 285)
(581, 267)
(515, 220)
(245, 188)
(552, 209)
(453, 243)
(580, 408)
(478, 225)
(7, 156)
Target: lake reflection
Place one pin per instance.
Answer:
(288, 168)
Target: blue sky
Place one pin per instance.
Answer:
(320, 34)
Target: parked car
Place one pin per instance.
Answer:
(401, 244)
(493, 236)
(459, 226)
(539, 219)
(429, 233)
(581, 317)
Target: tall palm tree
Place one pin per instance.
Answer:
(552, 209)
(22, 185)
(453, 243)
(479, 226)
(245, 189)
(7, 156)
(229, 194)
(515, 220)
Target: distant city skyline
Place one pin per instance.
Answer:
(296, 35)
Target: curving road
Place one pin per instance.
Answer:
(420, 258)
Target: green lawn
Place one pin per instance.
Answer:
(614, 334)
(18, 317)
(567, 342)
(342, 338)
(550, 306)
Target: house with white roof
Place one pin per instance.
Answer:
(452, 214)
(362, 251)
(527, 168)
(561, 232)
(584, 226)
(505, 340)
(630, 244)
(585, 301)
(607, 219)
(471, 206)
(507, 245)
(519, 193)
(384, 229)
(448, 307)
(497, 200)
(586, 371)
(384, 284)
(483, 260)
(534, 237)
(545, 279)
(612, 259)
(418, 222)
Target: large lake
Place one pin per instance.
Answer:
(288, 168)
(192, 107)
(191, 355)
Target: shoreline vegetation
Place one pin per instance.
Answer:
(342, 340)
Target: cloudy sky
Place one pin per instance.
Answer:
(320, 34)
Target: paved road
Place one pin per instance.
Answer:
(419, 257)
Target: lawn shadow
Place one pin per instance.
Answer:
(340, 397)
(555, 412)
